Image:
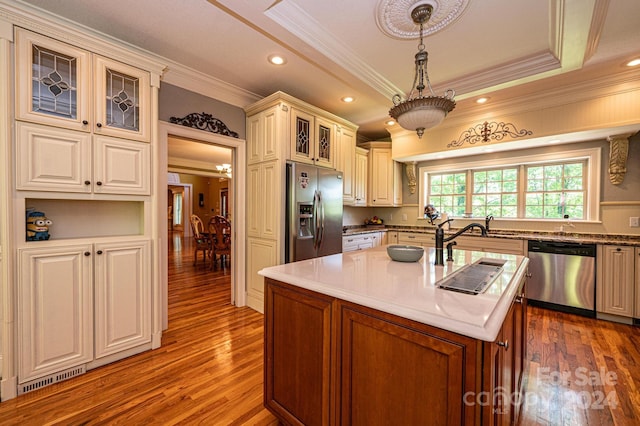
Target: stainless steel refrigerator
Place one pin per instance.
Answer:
(314, 212)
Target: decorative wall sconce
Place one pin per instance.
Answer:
(486, 132)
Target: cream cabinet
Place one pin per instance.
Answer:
(392, 237)
(417, 239)
(82, 302)
(281, 128)
(615, 282)
(360, 241)
(64, 86)
(384, 176)
(313, 139)
(346, 163)
(264, 133)
(637, 285)
(361, 175)
(265, 189)
(54, 159)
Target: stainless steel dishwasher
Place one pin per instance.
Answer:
(562, 276)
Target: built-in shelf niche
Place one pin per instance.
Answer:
(86, 219)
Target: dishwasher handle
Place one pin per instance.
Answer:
(562, 247)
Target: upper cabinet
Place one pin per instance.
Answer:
(264, 133)
(313, 139)
(346, 163)
(65, 86)
(385, 176)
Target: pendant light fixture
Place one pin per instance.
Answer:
(419, 112)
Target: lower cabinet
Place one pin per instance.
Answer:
(360, 241)
(505, 361)
(80, 303)
(331, 362)
(615, 282)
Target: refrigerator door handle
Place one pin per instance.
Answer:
(316, 219)
(321, 204)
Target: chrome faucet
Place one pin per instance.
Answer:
(440, 239)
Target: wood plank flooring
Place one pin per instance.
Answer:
(209, 368)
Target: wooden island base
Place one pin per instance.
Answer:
(332, 362)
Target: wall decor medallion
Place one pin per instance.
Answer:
(486, 132)
(205, 122)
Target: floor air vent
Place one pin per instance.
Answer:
(50, 379)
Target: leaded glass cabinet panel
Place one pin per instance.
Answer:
(122, 100)
(57, 86)
(53, 80)
(302, 136)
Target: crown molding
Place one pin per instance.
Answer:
(506, 75)
(198, 82)
(35, 19)
(293, 18)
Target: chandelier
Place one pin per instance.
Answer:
(419, 112)
(225, 169)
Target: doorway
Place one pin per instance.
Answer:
(235, 202)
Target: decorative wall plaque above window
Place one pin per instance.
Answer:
(205, 122)
(486, 132)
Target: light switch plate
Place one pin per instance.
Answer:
(634, 221)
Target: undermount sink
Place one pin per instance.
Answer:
(474, 278)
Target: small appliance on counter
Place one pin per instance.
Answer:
(313, 226)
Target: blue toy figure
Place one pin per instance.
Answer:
(37, 226)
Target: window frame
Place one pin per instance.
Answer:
(592, 156)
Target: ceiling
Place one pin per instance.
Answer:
(335, 48)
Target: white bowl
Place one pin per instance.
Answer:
(401, 253)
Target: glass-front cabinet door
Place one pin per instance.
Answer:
(53, 82)
(65, 86)
(122, 100)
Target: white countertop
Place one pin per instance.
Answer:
(370, 278)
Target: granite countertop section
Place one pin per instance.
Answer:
(574, 237)
(370, 278)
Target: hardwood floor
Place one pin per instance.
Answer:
(581, 371)
(209, 368)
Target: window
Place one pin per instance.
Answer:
(495, 192)
(555, 190)
(547, 186)
(448, 193)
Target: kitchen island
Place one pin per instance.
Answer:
(356, 338)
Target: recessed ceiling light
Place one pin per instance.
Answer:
(277, 60)
(633, 63)
(390, 123)
(481, 100)
(348, 99)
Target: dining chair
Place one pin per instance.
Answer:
(220, 232)
(202, 241)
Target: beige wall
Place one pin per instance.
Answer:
(209, 187)
(617, 203)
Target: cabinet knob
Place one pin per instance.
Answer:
(98, 125)
(86, 253)
(99, 183)
(618, 249)
(504, 344)
(85, 122)
(87, 182)
(99, 252)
